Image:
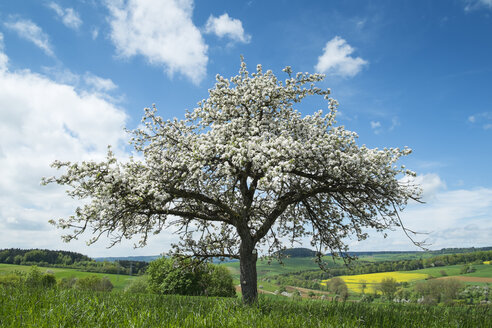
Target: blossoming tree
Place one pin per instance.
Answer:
(243, 171)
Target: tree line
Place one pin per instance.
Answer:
(66, 259)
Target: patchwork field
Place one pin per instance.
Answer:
(355, 283)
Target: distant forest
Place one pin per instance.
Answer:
(65, 259)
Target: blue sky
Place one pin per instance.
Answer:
(73, 74)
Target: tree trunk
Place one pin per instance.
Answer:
(247, 267)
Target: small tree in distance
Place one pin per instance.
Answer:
(388, 287)
(244, 170)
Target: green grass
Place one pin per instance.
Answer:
(290, 265)
(20, 307)
(482, 270)
(119, 281)
(451, 270)
(395, 257)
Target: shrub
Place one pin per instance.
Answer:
(338, 287)
(94, 283)
(436, 291)
(34, 277)
(139, 285)
(67, 282)
(189, 277)
(10, 280)
(48, 280)
(388, 287)
(219, 281)
(468, 268)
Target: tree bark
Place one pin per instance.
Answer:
(248, 276)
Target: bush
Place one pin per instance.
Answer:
(67, 282)
(10, 280)
(48, 280)
(94, 283)
(189, 277)
(219, 282)
(436, 291)
(468, 268)
(34, 277)
(388, 287)
(139, 285)
(338, 287)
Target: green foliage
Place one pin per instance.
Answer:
(139, 285)
(188, 277)
(94, 283)
(10, 280)
(37, 256)
(33, 278)
(119, 281)
(219, 282)
(63, 259)
(438, 290)
(75, 308)
(338, 287)
(170, 276)
(468, 268)
(67, 282)
(388, 287)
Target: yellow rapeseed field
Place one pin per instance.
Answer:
(354, 283)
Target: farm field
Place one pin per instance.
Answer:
(75, 308)
(482, 275)
(354, 283)
(119, 281)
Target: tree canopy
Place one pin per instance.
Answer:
(242, 171)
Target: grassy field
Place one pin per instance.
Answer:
(290, 265)
(395, 257)
(482, 270)
(74, 308)
(119, 281)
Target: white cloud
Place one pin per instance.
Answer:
(69, 17)
(4, 60)
(161, 31)
(477, 4)
(225, 26)
(484, 119)
(451, 218)
(336, 59)
(375, 125)
(42, 120)
(98, 83)
(95, 33)
(28, 30)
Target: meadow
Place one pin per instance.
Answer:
(21, 307)
(119, 281)
(288, 265)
